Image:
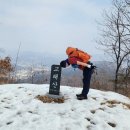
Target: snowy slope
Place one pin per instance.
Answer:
(20, 110)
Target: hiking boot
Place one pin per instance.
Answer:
(81, 97)
(78, 94)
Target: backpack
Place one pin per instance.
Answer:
(74, 52)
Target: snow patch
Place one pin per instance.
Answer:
(20, 110)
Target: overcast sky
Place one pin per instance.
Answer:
(50, 25)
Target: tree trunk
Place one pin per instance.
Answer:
(116, 82)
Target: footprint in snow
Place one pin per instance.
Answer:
(93, 111)
(89, 127)
(2, 101)
(88, 119)
(112, 124)
(7, 107)
(20, 87)
(26, 101)
(35, 119)
(94, 98)
(10, 122)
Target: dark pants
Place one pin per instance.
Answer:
(87, 72)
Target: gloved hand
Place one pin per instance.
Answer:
(63, 63)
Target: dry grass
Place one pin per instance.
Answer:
(113, 103)
(46, 99)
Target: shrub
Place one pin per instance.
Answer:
(5, 69)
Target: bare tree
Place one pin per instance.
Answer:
(17, 56)
(127, 72)
(115, 35)
(127, 2)
(31, 73)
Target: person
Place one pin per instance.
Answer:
(80, 59)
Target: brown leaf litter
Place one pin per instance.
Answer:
(46, 99)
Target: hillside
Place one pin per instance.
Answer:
(20, 110)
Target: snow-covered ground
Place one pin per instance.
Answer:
(20, 110)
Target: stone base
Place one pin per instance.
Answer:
(54, 96)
